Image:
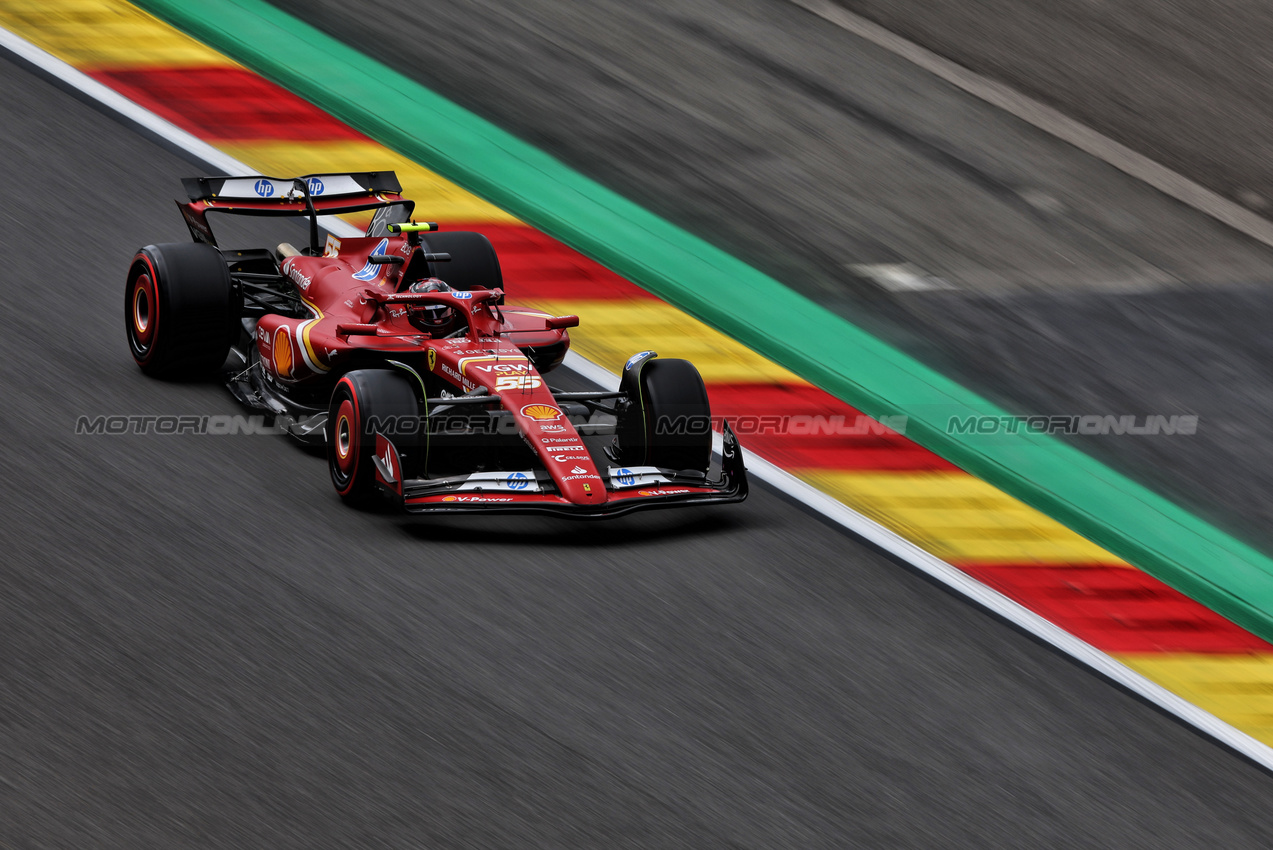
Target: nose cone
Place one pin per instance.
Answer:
(583, 488)
(567, 460)
(560, 448)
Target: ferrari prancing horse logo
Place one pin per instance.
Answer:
(433, 358)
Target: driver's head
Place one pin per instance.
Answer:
(436, 319)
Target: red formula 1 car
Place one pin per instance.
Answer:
(396, 350)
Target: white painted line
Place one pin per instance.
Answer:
(599, 375)
(111, 99)
(143, 117)
(899, 277)
(1051, 121)
(779, 479)
(968, 587)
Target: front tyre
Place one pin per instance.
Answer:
(667, 419)
(364, 402)
(180, 310)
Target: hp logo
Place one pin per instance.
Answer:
(625, 477)
(518, 481)
(315, 186)
(264, 188)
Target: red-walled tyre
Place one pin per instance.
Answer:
(364, 400)
(180, 310)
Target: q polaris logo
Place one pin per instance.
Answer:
(371, 271)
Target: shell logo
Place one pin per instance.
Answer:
(283, 352)
(541, 412)
(448, 498)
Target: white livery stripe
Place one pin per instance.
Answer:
(304, 349)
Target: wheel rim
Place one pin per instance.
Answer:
(345, 439)
(144, 312)
(141, 311)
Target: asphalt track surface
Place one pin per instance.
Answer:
(1186, 82)
(203, 647)
(807, 152)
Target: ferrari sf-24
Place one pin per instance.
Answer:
(397, 352)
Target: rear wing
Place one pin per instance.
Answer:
(312, 195)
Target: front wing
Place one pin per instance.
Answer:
(423, 496)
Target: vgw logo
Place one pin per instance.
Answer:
(264, 188)
(315, 186)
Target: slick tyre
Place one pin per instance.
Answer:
(668, 422)
(180, 310)
(473, 264)
(362, 402)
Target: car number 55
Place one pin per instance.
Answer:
(517, 382)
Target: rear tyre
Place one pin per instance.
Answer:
(180, 310)
(667, 422)
(361, 398)
(473, 264)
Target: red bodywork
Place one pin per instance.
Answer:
(357, 306)
(360, 318)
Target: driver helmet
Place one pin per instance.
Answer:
(436, 319)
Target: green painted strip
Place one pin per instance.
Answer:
(1102, 505)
